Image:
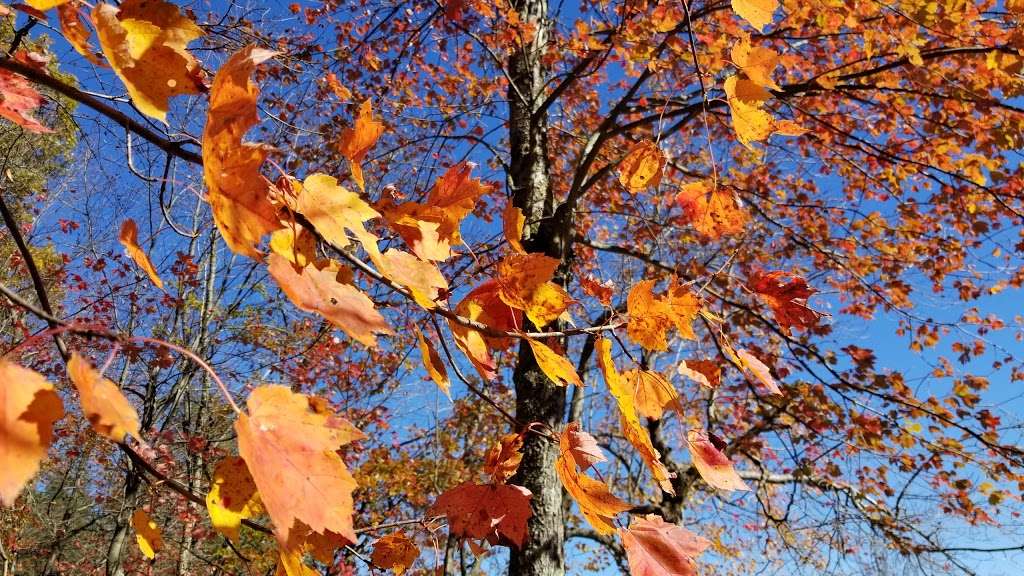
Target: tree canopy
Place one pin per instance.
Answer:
(471, 286)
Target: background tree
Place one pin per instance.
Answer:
(693, 173)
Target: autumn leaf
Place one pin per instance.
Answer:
(145, 42)
(72, 26)
(632, 428)
(598, 505)
(651, 317)
(483, 305)
(232, 497)
(289, 446)
(496, 513)
(319, 291)
(20, 100)
(356, 141)
(583, 447)
(294, 244)
(29, 406)
(787, 296)
(641, 167)
(433, 365)
(238, 192)
(503, 458)
(129, 238)
(512, 220)
(44, 5)
(652, 393)
(756, 62)
(424, 281)
(333, 209)
(289, 563)
(704, 372)
(524, 281)
(758, 369)
(395, 551)
(433, 228)
(553, 364)
(756, 12)
(749, 120)
(147, 534)
(656, 548)
(714, 466)
(109, 412)
(712, 211)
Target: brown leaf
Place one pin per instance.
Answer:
(395, 551)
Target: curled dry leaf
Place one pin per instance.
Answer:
(129, 238)
(238, 192)
(319, 291)
(431, 229)
(20, 99)
(395, 551)
(598, 505)
(484, 305)
(147, 534)
(556, 366)
(107, 409)
(512, 222)
(711, 211)
(656, 548)
(705, 372)
(503, 458)
(433, 365)
(714, 467)
(495, 513)
(29, 406)
(632, 428)
(232, 497)
(356, 141)
(641, 167)
(787, 296)
(758, 369)
(289, 442)
(583, 447)
(145, 42)
(525, 285)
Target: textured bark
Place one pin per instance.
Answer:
(537, 399)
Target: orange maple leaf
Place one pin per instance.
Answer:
(29, 406)
(289, 443)
(641, 166)
(356, 141)
(107, 409)
(129, 238)
(525, 285)
(395, 551)
(656, 548)
(598, 505)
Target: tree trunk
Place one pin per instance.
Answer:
(537, 398)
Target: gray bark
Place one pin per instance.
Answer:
(537, 398)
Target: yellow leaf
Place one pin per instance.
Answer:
(144, 41)
(757, 12)
(332, 209)
(524, 281)
(232, 497)
(642, 166)
(512, 224)
(598, 505)
(757, 62)
(294, 244)
(109, 412)
(129, 238)
(652, 392)
(29, 406)
(554, 365)
(238, 193)
(147, 534)
(45, 4)
(356, 141)
(632, 428)
(712, 212)
(751, 123)
(421, 277)
(433, 365)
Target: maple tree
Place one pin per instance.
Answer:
(628, 241)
